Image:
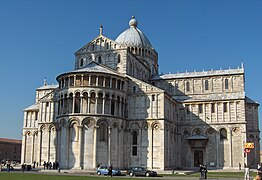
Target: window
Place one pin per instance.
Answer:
(187, 86)
(134, 150)
(225, 106)
(134, 89)
(153, 97)
(212, 108)
(119, 58)
(99, 59)
(47, 104)
(223, 134)
(206, 85)
(226, 83)
(134, 143)
(81, 62)
(200, 108)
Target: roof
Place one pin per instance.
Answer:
(133, 36)
(4, 140)
(93, 67)
(199, 74)
(248, 100)
(48, 86)
(32, 107)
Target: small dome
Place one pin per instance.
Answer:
(133, 36)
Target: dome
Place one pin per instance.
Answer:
(133, 36)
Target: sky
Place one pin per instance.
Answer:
(38, 39)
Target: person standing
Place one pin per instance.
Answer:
(201, 170)
(110, 171)
(205, 171)
(247, 177)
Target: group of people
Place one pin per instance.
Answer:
(50, 165)
(203, 171)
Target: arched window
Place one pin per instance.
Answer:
(99, 59)
(134, 143)
(206, 85)
(118, 58)
(226, 83)
(187, 86)
(223, 134)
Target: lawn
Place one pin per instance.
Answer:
(33, 176)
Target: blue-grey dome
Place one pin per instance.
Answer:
(133, 36)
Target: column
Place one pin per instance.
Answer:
(23, 153)
(96, 80)
(58, 144)
(103, 106)
(73, 104)
(81, 103)
(109, 145)
(104, 81)
(67, 146)
(25, 119)
(74, 80)
(89, 80)
(96, 97)
(32, 149)
(217, 142)
(82, 80)
(40, 146)
(231, 149)
(110, 83)
(94, 147)
(80, 147)
(88, 103)
(216, 112)
(235, 103)
(48, 145)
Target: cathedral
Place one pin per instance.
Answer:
(114, 108)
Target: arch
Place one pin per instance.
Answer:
(88, 122)
(74, 120)
(197, 131)
(223, 134)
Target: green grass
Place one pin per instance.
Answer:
(33, 176)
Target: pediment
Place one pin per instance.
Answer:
(99, 43)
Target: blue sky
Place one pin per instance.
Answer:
(39, 38)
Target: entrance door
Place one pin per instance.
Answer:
(198, 157)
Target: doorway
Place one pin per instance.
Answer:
(198, 157)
